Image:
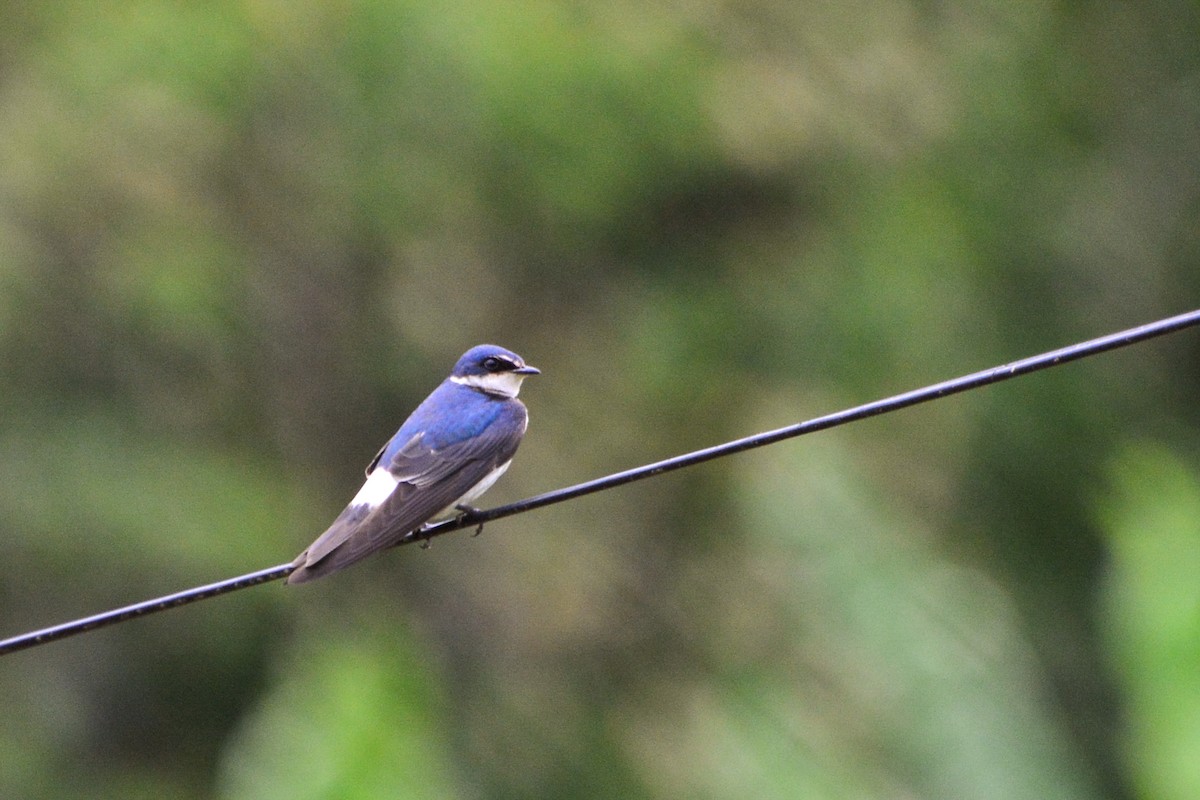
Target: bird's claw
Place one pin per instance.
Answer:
(467, 512)
(424, 540)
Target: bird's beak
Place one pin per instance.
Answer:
(527, 370)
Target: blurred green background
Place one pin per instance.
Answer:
(240, 241)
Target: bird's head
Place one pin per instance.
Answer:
(492, 369)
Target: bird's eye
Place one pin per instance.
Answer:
(492, 364)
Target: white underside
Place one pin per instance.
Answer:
(475, 491)
(484, 485)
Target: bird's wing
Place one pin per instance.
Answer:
(428, 480)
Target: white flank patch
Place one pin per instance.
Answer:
(505, 383)
(379, 487)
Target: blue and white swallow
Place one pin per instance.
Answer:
(445, 455)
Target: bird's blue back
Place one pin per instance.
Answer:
(451, 414)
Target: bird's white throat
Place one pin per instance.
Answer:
(507, 384)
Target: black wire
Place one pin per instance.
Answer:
(894, 403)
(46, 635)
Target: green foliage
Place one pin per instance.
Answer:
(1153, 610)
(239, 241)
(358, 716)
(884, 627)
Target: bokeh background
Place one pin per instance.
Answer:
(240, 241)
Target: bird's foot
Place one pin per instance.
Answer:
(469, 511)
(424, 541)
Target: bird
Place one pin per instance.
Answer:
(448, 452)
